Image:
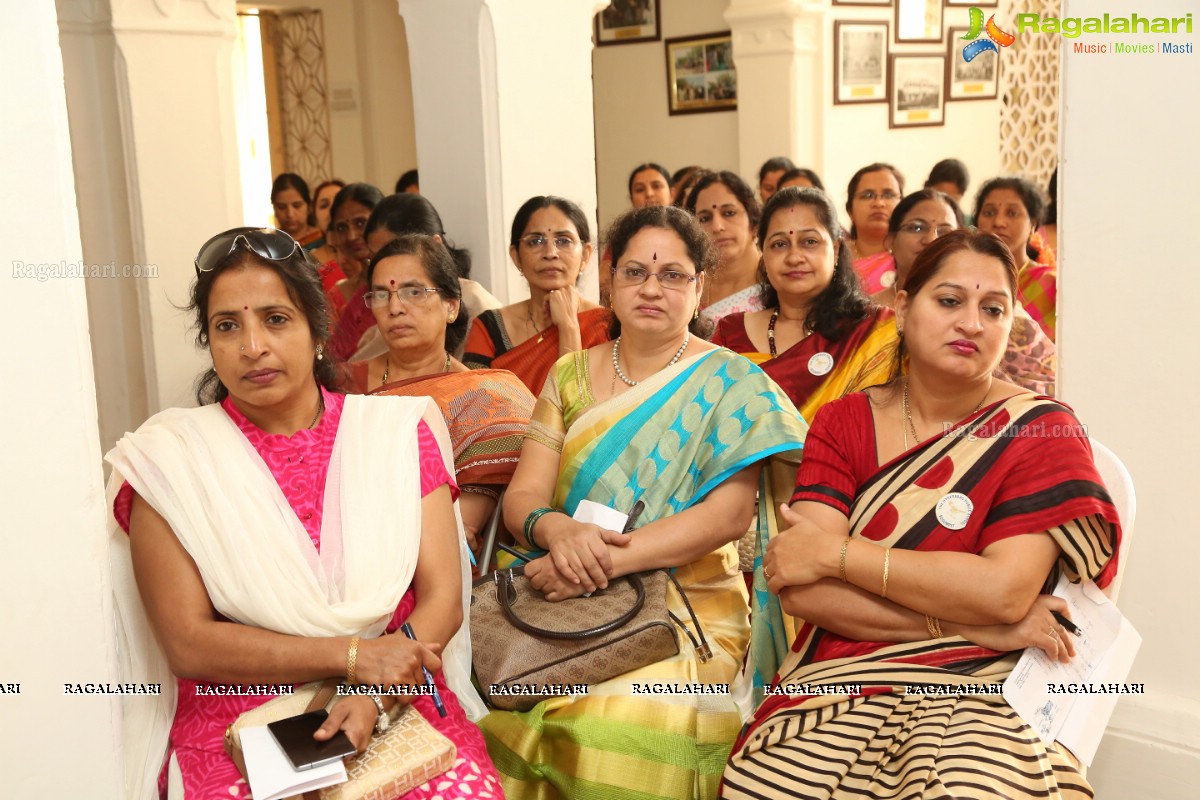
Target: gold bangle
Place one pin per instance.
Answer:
(842, 561)
(887, 556)
(351, 660)
(935, 627)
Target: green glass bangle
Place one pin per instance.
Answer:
(531, 520)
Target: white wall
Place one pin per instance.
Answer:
(632, 122)
(365, 49)
(55, 628)
(1128, 279)
(633, 126)
(857, 135)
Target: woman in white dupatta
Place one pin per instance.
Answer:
(280, 535)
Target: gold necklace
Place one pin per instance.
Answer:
(387, 366)
(908, 414)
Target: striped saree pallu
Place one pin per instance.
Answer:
(925, 719)
(667, 442)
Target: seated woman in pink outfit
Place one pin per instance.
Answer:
(871, 196)
(280, 534)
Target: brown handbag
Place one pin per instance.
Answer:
(526, 648)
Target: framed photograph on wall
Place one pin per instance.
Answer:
(700, 74)
(976, 80)
(628, 21)
(862, 2)
(918, 21)
(916, 91)
(859, 62)
(980, 3)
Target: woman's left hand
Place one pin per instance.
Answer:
(546, 578)
(796, 557)
(356, 716)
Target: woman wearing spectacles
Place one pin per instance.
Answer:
(872, 194)
(662, 419)
(922, 218)
(414, 292)
(819, 336)
(728, 209)
(349, 213)
(550, 244)
(245, 576)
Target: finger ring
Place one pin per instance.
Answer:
(1053, 633)
(766, 573)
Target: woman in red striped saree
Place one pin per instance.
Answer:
(929, 517)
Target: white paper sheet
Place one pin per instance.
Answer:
(598, 514)
(1052, 697)
(271, 774)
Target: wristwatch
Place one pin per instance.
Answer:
(385, 718)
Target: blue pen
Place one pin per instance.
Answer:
(437, 698)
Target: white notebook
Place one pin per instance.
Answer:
(271, 774)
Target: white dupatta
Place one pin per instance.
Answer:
(197, 470)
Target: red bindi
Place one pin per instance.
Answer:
(245, 308)
(393, 283)
(655, 257)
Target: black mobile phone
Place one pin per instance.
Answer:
(295, 736)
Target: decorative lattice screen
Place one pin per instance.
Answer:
(1029, 80)
(303, 92)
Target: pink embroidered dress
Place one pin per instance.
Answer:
(300, 465)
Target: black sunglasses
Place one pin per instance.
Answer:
(268, 243)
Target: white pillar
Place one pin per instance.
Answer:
(502, 94)
(55, 627)
(150, 96)
(778, 53)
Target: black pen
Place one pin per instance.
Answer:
(634, 513)
(1066, 623)
(429, 684)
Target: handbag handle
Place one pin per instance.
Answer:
(506, 592)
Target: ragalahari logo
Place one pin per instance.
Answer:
(996, 36)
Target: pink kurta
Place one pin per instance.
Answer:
(300, 465)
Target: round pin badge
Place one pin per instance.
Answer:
(954, 510)
(887, 279)
(820, 364)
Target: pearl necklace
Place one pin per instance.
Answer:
(626, 378)
(908, 414)
(387, 365)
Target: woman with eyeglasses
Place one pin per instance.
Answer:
(1013, 208)
(412, 213)
(872, 194)
(921, 218)
(662, 419)
(931, 519)
(279, 534)
(349, 214)
(414, 292)
(550, 244)
(820, 336)
(728, 210)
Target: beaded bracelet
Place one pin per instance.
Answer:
(531, 520)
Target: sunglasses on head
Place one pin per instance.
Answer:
(268, 243)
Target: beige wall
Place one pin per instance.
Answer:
(632, 123)
(366, 50)
(1128, 283)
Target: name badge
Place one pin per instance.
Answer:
(820, 364)
(954, 510)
